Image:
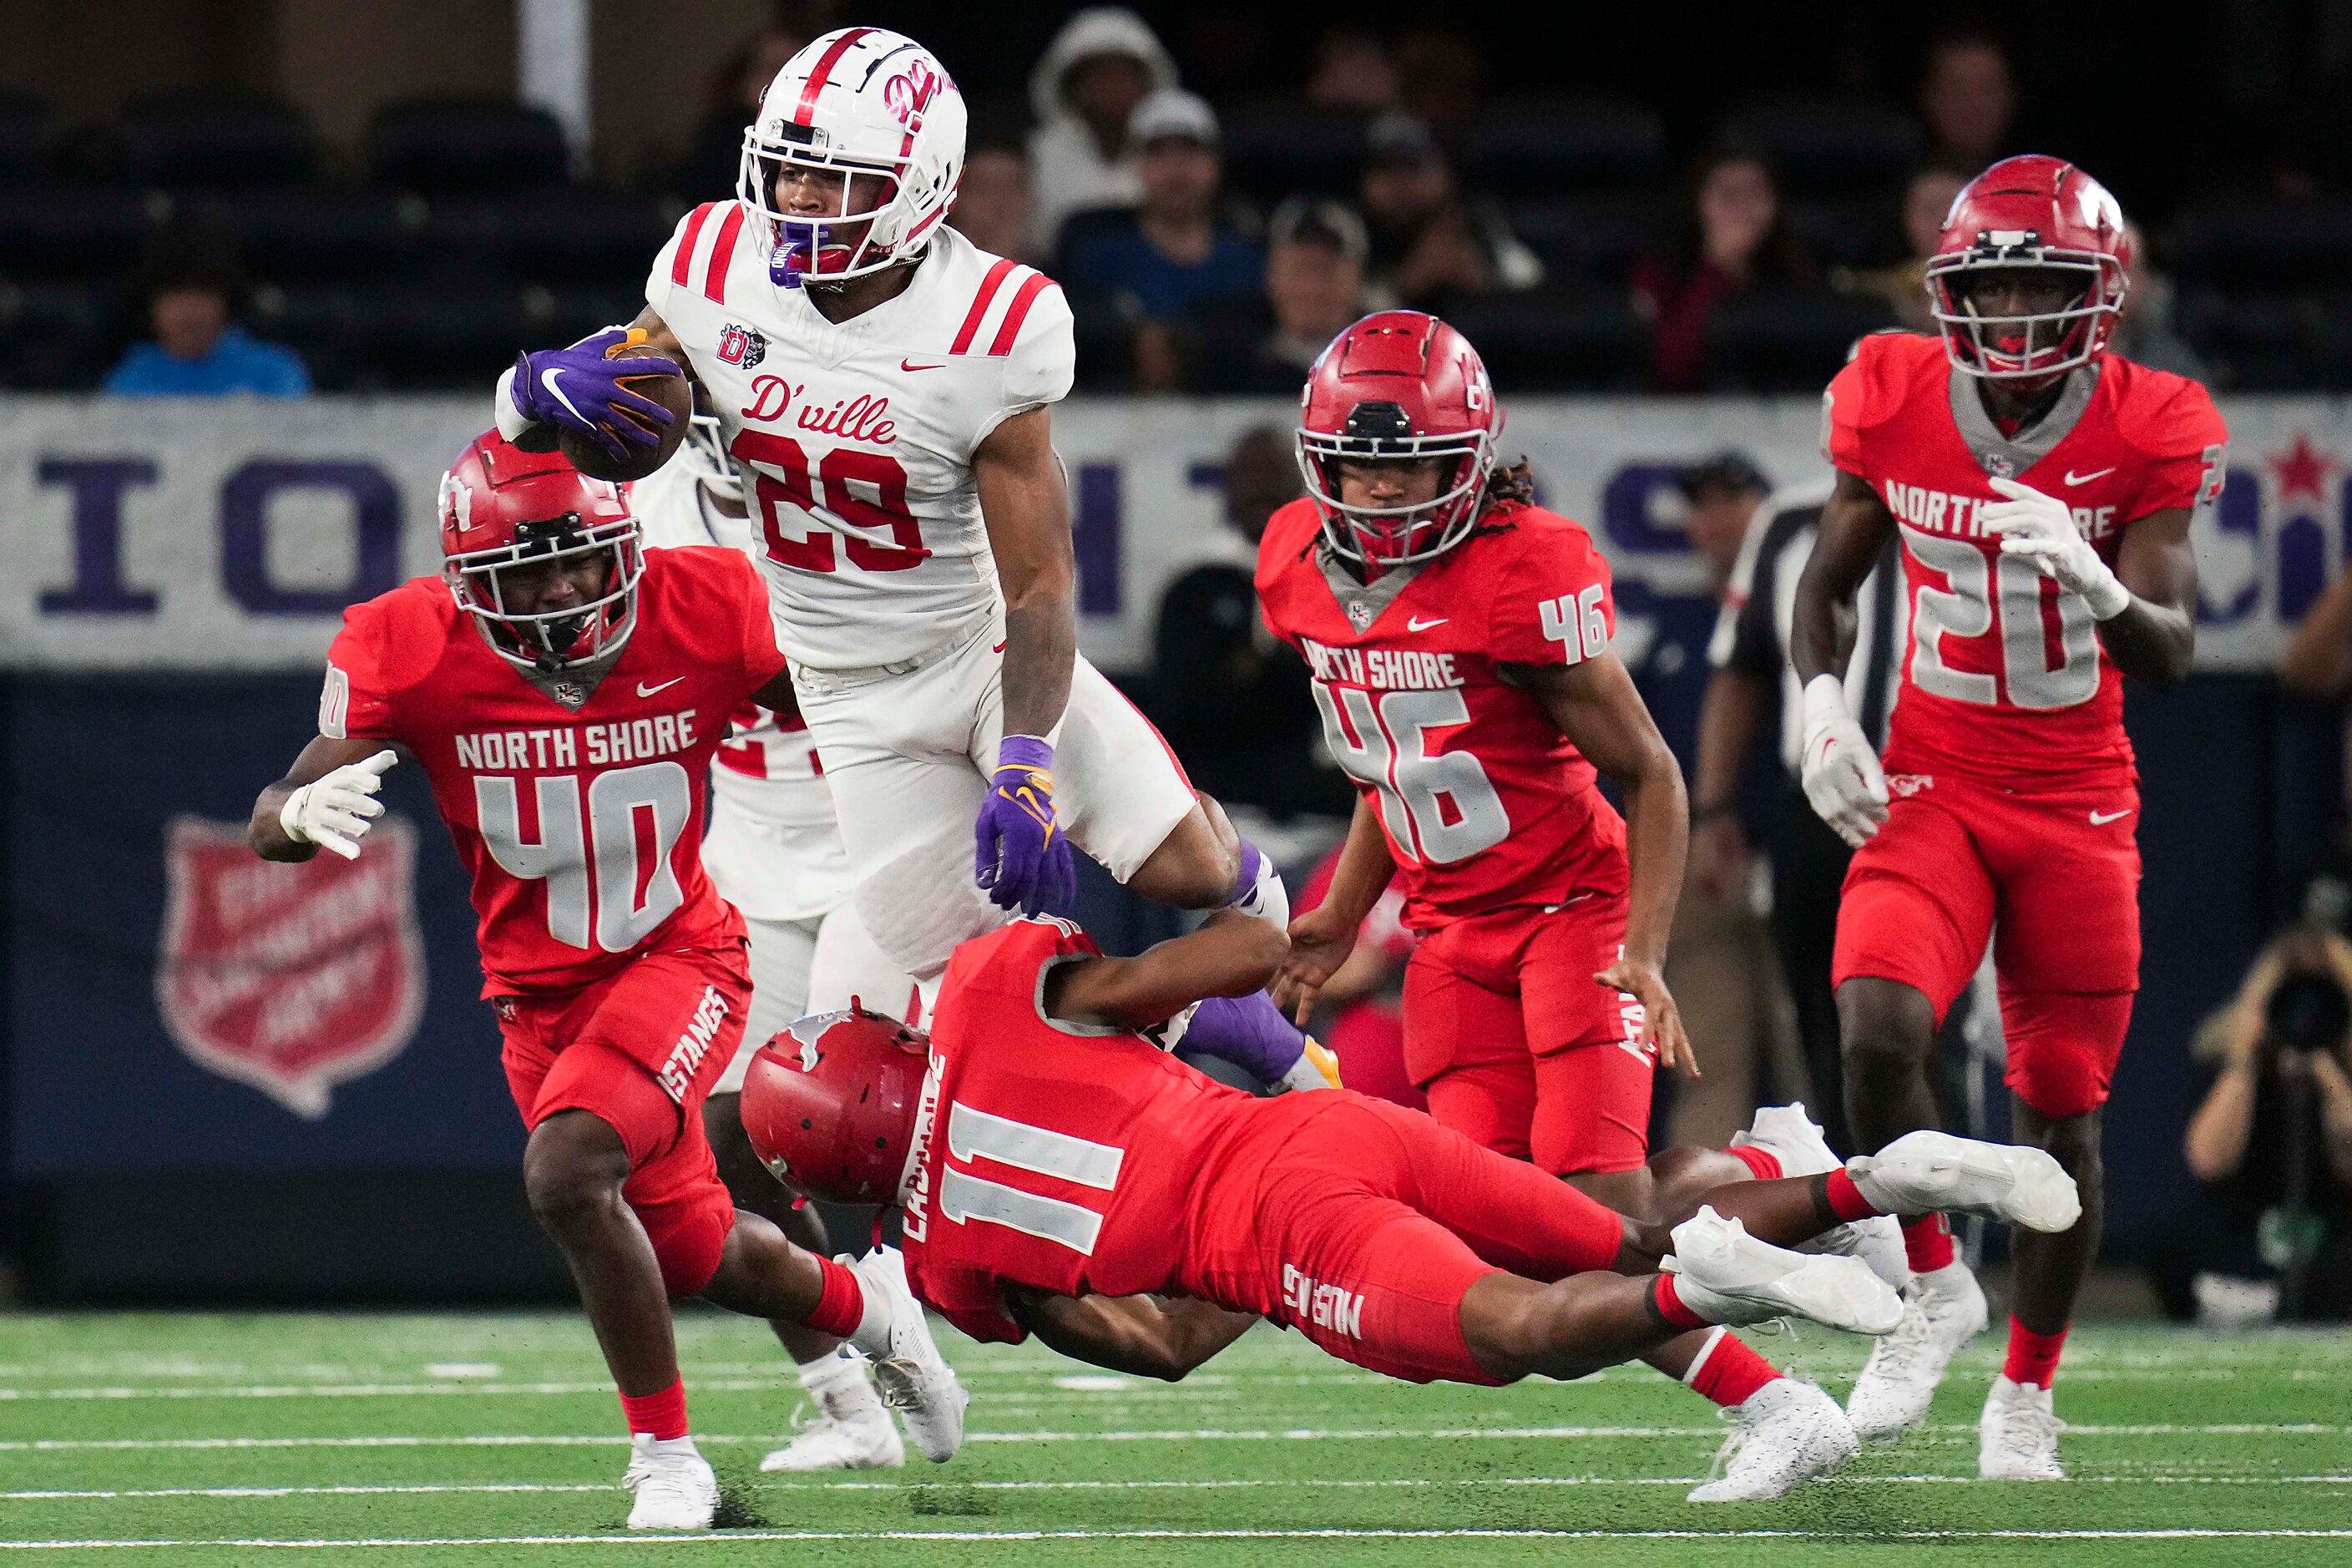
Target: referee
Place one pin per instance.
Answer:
(1752, 676)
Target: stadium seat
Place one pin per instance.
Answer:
(307, 235)
(1851, 231)
(572, 311)
(215, 140)
(1828, 146)
(1595, 236)
(443, 147)
(2263, 245)
(1278, 150)
(75, 230)
(55, 337)
(1539, 147)
(23, 137)
(1555, 341)
(1791, 340)
(549, 236)
(2269, 340)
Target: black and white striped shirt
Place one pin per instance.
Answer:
(1759, 605)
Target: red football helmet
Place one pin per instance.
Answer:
(502, 507)
(1398, 384)
(2030, 213)
(829, 1104)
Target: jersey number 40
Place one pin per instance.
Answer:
(1438, 807)
(620, 848)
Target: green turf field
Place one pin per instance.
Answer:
(487, 1439)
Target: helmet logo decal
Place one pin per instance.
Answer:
(456, 501)
(2095, 207)
(906, 94)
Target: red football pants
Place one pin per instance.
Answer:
(639, 1051)
(2052, 879)
(1518, 1048)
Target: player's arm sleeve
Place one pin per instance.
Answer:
(1042, 362)
(1553, 603)
(354, 702)
(2190, 443)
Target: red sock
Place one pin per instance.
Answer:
(1670, 1306)
(1928, 1240)
(1728, 1371)
(1847, 1203)
(2032, 1358)
(660, 1416)
(1763, 1161)
(843, 1303)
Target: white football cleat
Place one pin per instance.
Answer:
(675, 1486)
(1784, 1434)
(858, 1440)
(2017, 1436)
(914, 1379)
(1944, 1310)
(1791, 1137)
(1726, 1276)
(1928, 1171)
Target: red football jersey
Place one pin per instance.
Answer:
(582, 828)
(1484, 803)
(1074, 1159)
(2005, 678)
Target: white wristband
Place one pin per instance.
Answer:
(1824, 700)
(290, 816)
(508, 418)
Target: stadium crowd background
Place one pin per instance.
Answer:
(278, 197)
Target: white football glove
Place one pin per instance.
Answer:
(1842, 777)
(2040, 527)
(335, 810)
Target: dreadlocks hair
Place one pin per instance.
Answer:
(1514, 485)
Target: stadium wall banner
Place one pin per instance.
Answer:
(228, 534)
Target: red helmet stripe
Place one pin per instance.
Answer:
(1017, 312)
(980, 301)
(681, 266)
(723, 254)
(804, 114)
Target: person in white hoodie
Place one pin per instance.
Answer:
(1104, 62)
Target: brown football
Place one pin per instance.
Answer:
(672, 392)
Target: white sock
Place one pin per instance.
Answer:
(652, 1447)
(838, 1383)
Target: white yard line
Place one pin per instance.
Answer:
(737, 1537)
(1185, 1435)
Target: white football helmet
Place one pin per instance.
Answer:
(874, 105)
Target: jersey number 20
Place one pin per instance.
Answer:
(781, 478)
(1439, 808)
(623, 849)
(2004, 591)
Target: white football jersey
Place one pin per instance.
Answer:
(859, 435)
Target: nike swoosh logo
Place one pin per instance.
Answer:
(2074, 478)
(911, 364)
(2101, 818)
(998, 648)
(1418, 624)
(547, 380)
(644, 691)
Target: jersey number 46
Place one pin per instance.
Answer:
(1438, 807)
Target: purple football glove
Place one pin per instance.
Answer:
(580, 389)
(1022, 858)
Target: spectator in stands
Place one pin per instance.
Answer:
(1353, 73)
(708, 175)
(1104, 63)
(1968, 98)
(1734, 236)
(1443, 79)
(2144, 330)
(1904, 286)
(2269, 1234)
(1313, 285)
(1175, 249)
(994, 199)
(191, 296)
(1237, 706)
(1430, 245)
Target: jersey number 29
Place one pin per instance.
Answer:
(781, 478)
(623, 847)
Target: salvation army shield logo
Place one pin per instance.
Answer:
(292, 978)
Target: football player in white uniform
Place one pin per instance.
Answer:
(888, 386)
(773, 851)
